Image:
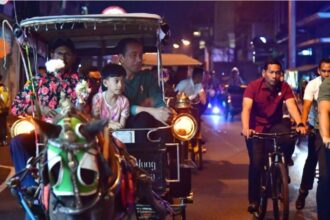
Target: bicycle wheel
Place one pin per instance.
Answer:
(280, 192)
(264, 188)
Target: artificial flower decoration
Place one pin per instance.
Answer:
(54, 65)
(82, 91)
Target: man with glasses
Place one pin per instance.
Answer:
(262, 111)
(310, 119)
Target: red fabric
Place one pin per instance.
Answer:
(267, 105)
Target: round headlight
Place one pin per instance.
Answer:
(184, 127)
(21, 126)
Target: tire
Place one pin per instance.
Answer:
(264, 191)
(280, 192)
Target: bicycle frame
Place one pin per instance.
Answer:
(275, 170)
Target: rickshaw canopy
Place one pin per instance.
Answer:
(94, 34)
(168, 59)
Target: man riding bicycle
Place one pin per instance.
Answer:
(262, 112)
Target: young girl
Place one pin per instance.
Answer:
(111, 104)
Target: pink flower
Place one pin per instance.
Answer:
(53, 87)
(44, 90)
(74, 76)
(64, 85)
(14, 110)
(73, 94)
(42, 81)
(52, 104)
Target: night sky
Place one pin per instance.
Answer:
(182, 16)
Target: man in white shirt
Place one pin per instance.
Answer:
(192, 87)
(309, 118)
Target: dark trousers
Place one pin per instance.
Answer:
(323, 187)
(314, 145)
(22, 147)
(3, 126)
(257, 150)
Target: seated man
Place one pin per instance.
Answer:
(193, 88)
(48, 89)
(147, 105)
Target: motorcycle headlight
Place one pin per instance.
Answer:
(21, 126)
(184, 127)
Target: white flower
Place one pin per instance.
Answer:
(54, 65)
(82, 91)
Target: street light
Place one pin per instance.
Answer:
(176, 46)
(185, 42)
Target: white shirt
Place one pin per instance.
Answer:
(189, 88)
(311, 94)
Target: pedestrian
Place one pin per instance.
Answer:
(262, 111)
(310, 120)
(235, 78)
(323, 187)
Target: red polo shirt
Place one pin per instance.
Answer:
(267, 105)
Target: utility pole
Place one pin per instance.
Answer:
(292, 34)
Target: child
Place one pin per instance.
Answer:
(111, 104)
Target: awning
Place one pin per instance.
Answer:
(304, 68)
(314, 19)
(313, 42)
(169, 59)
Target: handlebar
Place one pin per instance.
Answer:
(271, 136)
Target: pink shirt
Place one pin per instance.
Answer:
(106, 111)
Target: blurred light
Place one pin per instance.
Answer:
(113, 10)
(209, 105)
(3, 2)
(215, 110)
(185, 42)
(176, 46)
(215, 119)
(306, 52)
(197, 33)
(201, 44)
(263, 39)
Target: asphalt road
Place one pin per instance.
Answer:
(220, 189)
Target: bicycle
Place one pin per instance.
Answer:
(274, 179)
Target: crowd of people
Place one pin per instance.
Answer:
(263, 112)
(129, 97)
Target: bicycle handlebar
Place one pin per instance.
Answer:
(274, 135)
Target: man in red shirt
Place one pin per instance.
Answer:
(262, 112)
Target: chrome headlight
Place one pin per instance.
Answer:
(21, 126)
(184, 127)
